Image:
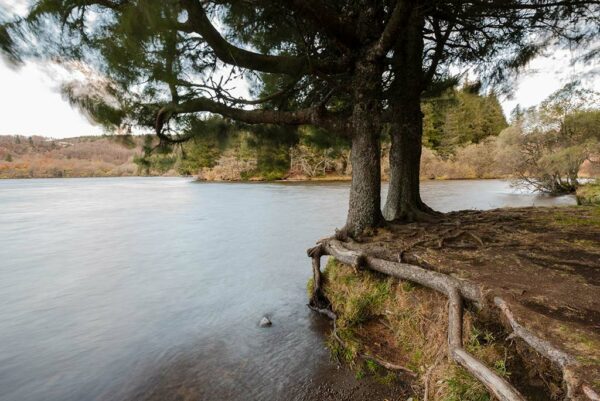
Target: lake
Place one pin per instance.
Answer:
(138, 288)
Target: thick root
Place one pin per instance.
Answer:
(412, 214)
(318, 300)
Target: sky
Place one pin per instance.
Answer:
(31, 102)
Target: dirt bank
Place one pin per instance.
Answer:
(543, 262)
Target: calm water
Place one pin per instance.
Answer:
(138, 288)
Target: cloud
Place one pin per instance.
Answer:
(32, 104)
(549, 73)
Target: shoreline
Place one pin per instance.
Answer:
(287, 180)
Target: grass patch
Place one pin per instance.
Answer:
(310, 286)
(589, 194)
(406, 324)
(355, 297)
(565, 217)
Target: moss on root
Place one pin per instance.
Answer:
(406, 325)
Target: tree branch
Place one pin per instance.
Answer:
(334, 122)
(199, 22)
(438, 54)
(398, 19)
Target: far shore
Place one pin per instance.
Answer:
(251, 180)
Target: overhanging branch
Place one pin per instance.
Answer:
(318, 115)
(199, 22)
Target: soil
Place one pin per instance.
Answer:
(544, 262)
(341, 385)
(333, 383)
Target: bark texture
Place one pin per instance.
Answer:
(403, 201)
(365, 190)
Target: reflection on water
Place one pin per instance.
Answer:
(126, 288)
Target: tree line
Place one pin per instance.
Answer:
(93, 156)
(460, 116)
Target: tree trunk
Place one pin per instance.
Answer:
(365, 192)
(404, 200)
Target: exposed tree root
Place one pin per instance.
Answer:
(456, 290)
(409, 212)
(591, 394)
(389, 365)
(318, 300)
(411, 215)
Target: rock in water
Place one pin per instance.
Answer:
(265, 322)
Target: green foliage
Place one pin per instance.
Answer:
(125, 140)
(273, 161)
(321, 139)
(272, 144)
(320, 151)
(155, 158)
(215, 136)
(197, 154)
(582, 126)
(8, 157)
(459, 117)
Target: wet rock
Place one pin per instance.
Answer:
(265, 322)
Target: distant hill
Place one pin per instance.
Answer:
(86, 156)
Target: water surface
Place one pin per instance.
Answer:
(137, 288)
